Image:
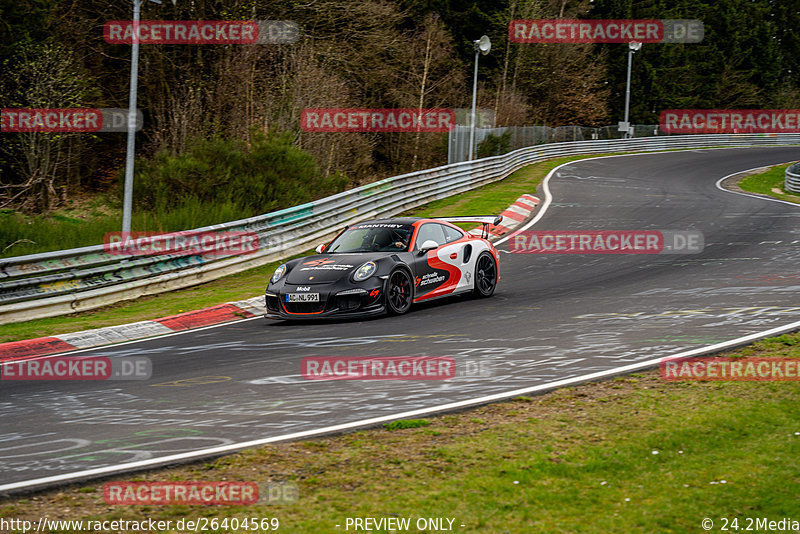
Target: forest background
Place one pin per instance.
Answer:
(222, 137)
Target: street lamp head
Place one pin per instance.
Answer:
(483, 45)
(635, 45)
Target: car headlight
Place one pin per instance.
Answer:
(279, 272)
(365, 271)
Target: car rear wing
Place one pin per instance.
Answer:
(480, 219)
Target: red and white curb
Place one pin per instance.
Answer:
(223, 313)
(516, 214)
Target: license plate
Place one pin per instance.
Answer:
(302, 297)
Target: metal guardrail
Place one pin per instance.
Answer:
(67, 281)
(792, 178)
(527, 136)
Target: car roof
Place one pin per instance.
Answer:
(399, 220)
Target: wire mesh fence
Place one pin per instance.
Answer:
(523, 136)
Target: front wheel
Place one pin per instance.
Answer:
(485, 275)
(398, 292)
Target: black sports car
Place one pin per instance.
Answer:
(383, 266)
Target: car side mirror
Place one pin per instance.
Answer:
(430, 244)
(320, 248)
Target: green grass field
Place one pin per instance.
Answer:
(84, 222)
(770, 183)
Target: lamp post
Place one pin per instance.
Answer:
(127, 202)
(633, 46)
(482, 46)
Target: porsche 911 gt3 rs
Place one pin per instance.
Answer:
(384, 266)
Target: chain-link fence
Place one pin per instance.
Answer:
(523, 136)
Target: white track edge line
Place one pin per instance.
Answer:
(148, 338)
(549, 197)
(751, 195)
(110, 470)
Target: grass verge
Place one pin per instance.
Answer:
(496, 197)
(85, 221)
(632, 454)
(770, 183)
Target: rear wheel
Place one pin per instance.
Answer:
(398, 292)
(485, 275)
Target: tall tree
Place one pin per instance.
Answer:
(737, 65)
(42, 75)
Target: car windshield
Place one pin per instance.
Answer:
(372, 237)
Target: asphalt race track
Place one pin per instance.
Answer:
(553, 317)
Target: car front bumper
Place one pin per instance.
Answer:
(348, 303)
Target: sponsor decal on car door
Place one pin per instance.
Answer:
(434, 274)
(448, 274)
